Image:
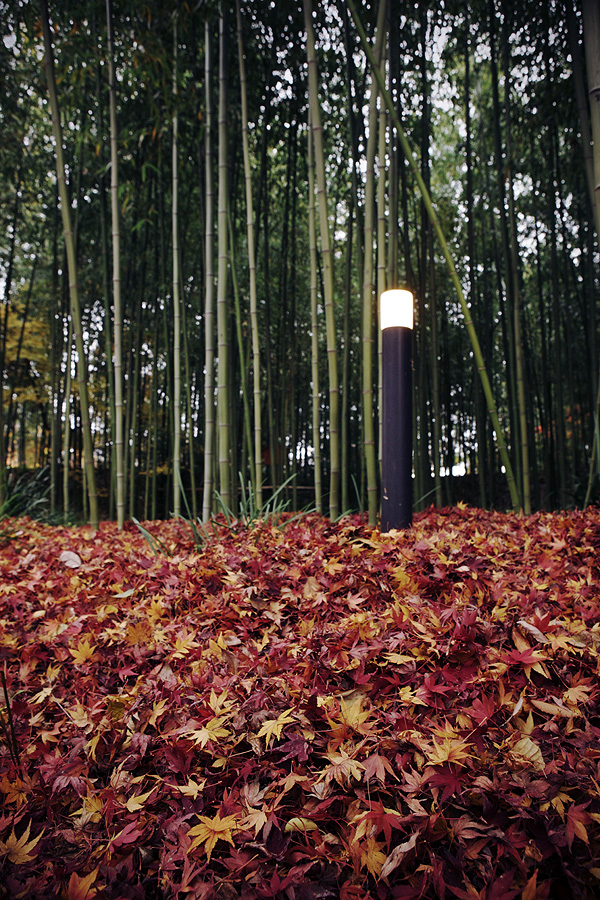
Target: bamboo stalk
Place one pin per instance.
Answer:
(117, 308)
(209, 317)
(327, 258)
(256, 392)
(75, 307)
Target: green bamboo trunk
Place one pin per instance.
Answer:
(176, 294)
(256, 391)
(223, 352)
(314, 329)
(327, 259)
(75, 308)
(117, 308)
(209, 313)
(368, 324)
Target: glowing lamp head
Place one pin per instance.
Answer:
(396, 309)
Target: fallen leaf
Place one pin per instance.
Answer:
(20, 850)
(395, 858)
(209, 831)
(70, 559)
(80, 887)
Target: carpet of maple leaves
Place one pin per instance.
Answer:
(310, 711)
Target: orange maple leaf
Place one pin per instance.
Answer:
(577, 819)
(80, 887)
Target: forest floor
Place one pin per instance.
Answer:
(314, 710)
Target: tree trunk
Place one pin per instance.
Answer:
(223, 374)
(591, 37)
(117, 309)
(209, 315)
(314, 327)
(57, 339)
(5, 313)
(516, 287)
(332, 364)
(256, 392)
(368, 323)
(67, 427)
(176, 294)
(72, 269)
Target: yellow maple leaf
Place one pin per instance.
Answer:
(212, 730)
(450, 750)
(311, 588)
(156, 610)
(139, 633)
(398, 659)
(341, 769)
(209, 831)
(192, 788)
(407, 695)
(41, 696)
(219, 703)
(19, 850)
(91, 810)
(256, 819)
(372, 856)
(558, 803)
(134, 804)
(352, 712)
(274, 727)
(578, 693)
(158, 709)
(183, 645)
(79, 715)
(349, 717)
(84, 653)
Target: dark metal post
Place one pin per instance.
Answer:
(396, 450)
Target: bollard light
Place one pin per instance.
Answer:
(396, 319)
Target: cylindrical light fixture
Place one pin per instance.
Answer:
(396, 319)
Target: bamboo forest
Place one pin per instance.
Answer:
(202, 203)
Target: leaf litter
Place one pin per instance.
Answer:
(310, 711)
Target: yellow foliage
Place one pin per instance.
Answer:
(19, 850)
(274, 727)
(209, 831)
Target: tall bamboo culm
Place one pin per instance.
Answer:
(117, 310)
(368, 331)
(251, 270)
(176, 299)
(591, 37)
(223, 391)
(209, 313)
(327, 260)
(314, 328)
(75, 308)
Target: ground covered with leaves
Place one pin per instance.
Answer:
(310, 711)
